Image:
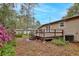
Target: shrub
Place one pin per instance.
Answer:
(26, 35)
(59, 42)
(4, 35)
(8, 49)
(18, 35)
(6, 43)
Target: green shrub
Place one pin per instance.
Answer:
(8, 49)
(0, 51)
(59, 42)
(19, 35)
(27, 35)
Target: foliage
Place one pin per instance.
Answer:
(59, 41)
(6, 42)
(23, 35)
(4, 36)
(26, 36)
(19, 35)
(6, 11)
(27, 20)
(8, 49)
(73, 10)
(36, 25)
(27, 9)
(27, 23)
(8, 16)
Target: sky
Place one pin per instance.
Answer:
(49, 12)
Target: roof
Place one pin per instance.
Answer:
(65, 19)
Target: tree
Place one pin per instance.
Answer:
(5, 11)
(27, 10)
(37, 24)
(8, 16)
(73, 10)
(21, 23)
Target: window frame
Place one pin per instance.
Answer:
(61, 25)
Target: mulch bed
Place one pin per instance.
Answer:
(25, 47)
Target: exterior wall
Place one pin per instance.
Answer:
(54, 26)
(44, 27)
(72, 28)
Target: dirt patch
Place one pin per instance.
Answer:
(38, 48)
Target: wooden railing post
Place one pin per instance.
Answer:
(36, 32)
(39, 33)
(44, 34)
(63, 34)
(55, 33)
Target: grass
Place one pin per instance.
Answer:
(8, 49)
(26, 36)
(59, 42)
(23, 35)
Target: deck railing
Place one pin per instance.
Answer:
(44, 32)
(48, 33)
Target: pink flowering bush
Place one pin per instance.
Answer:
(4, 35)
(7, 46)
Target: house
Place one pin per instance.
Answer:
(23, 31)
(70, 26)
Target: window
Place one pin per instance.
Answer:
(62, 24)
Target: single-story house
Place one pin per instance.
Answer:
(23, 31)
(70, 26)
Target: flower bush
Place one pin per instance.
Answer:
(7, 45)
(4, 35)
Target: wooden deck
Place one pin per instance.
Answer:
(51, 33)
(47, 34)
